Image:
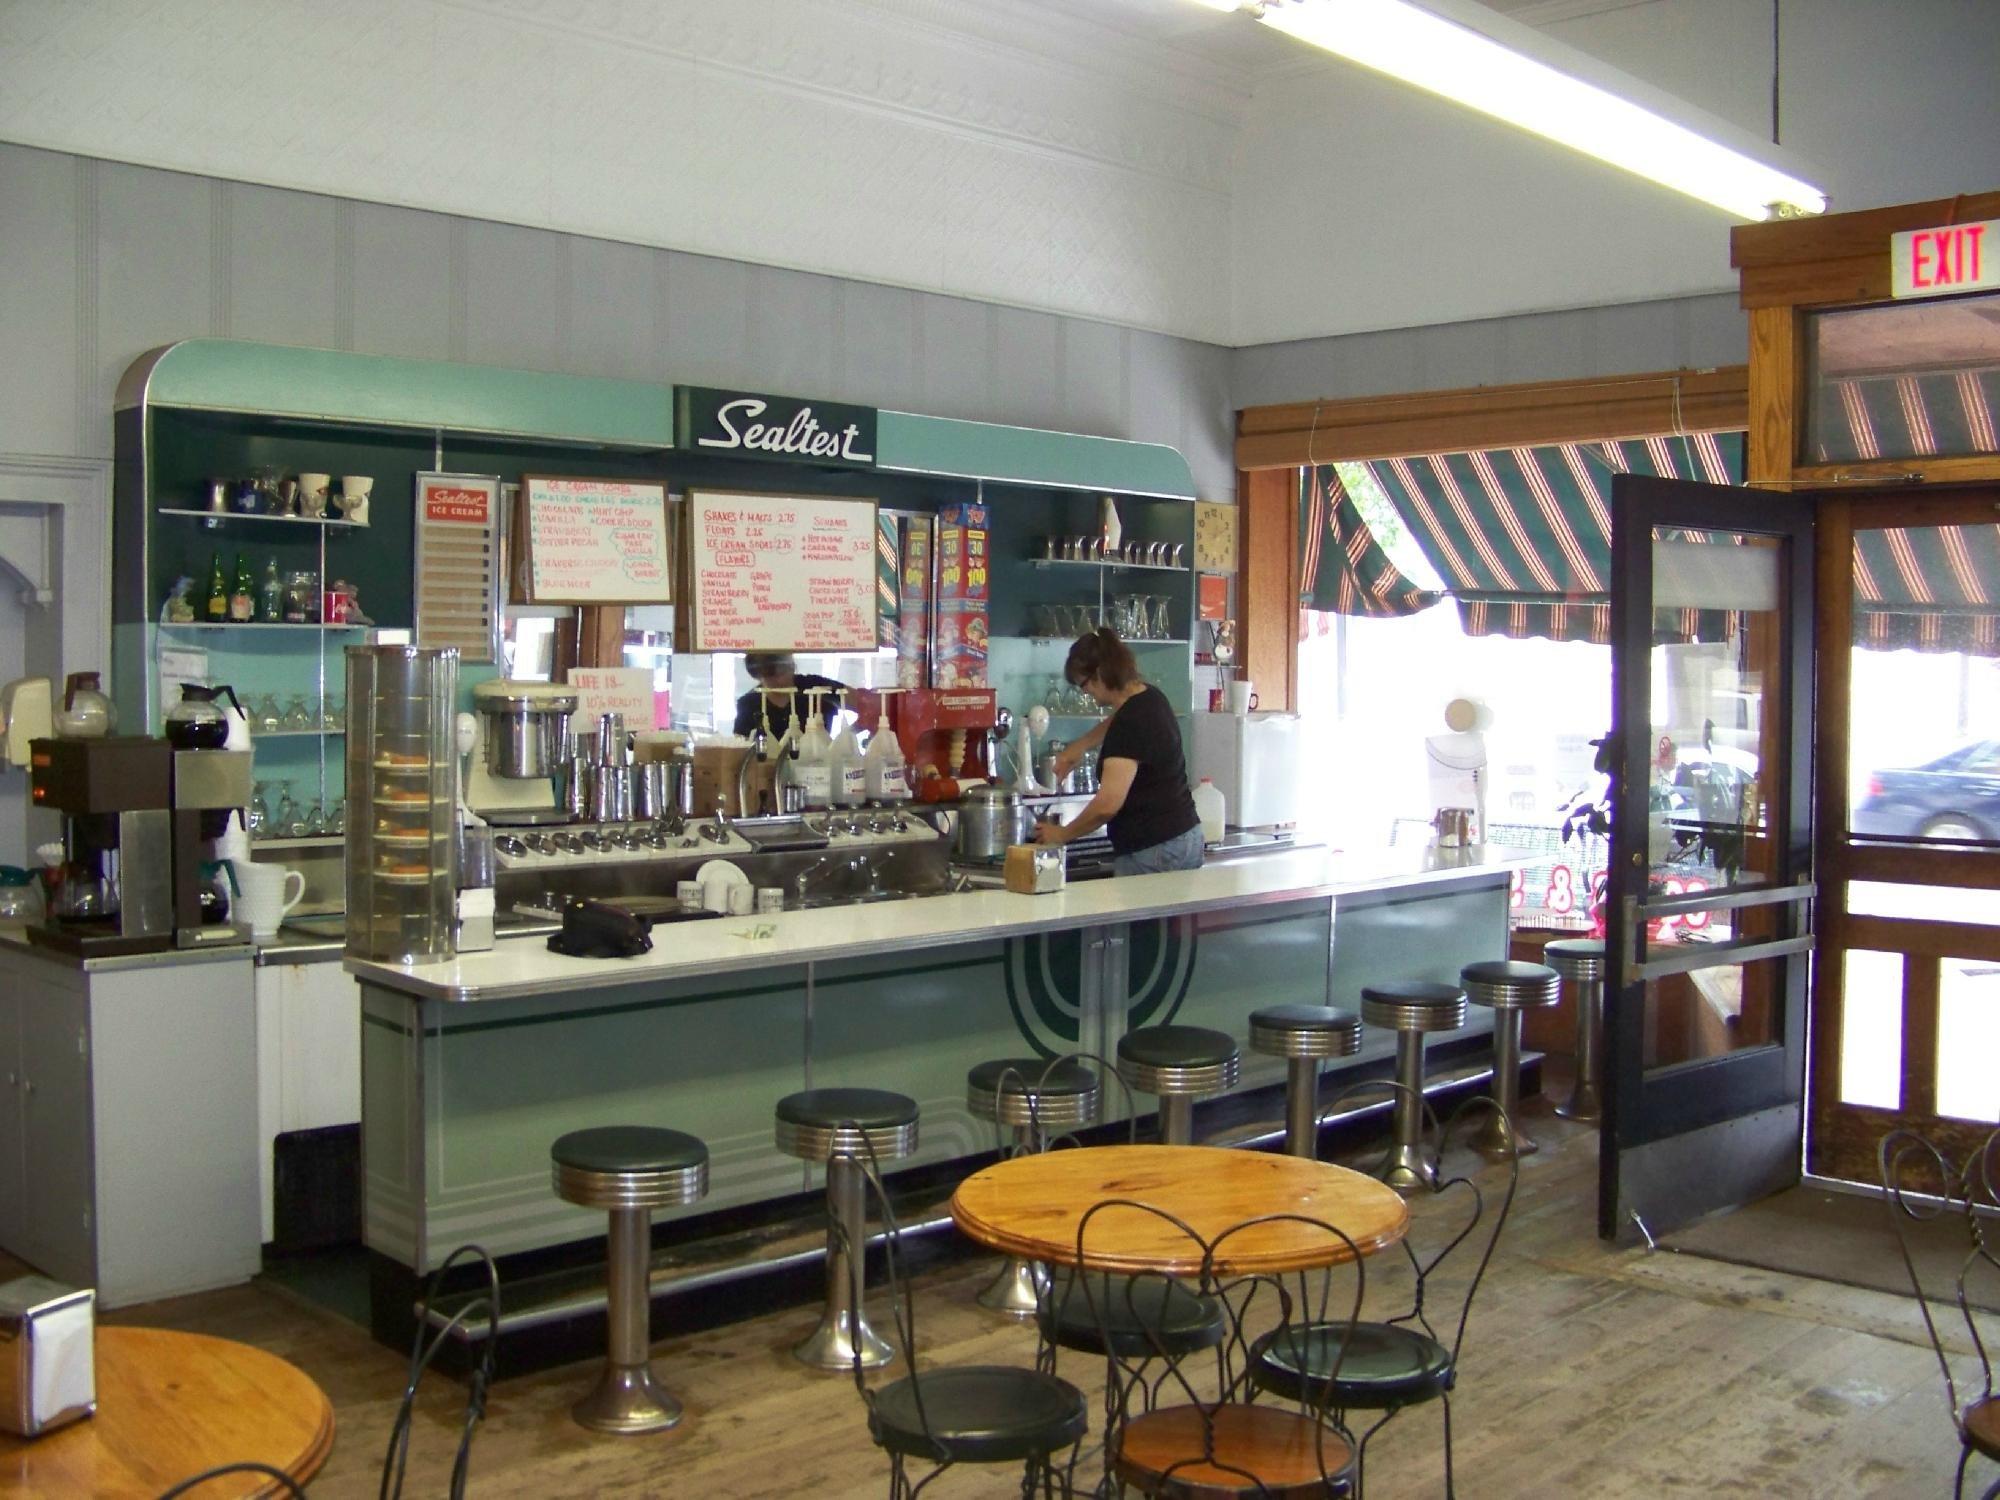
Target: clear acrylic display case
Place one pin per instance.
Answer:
(402, 846)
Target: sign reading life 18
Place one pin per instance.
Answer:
(747, 424)
(1939, 262)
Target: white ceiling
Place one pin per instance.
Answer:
(1150, 163)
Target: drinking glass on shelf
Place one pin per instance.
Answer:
(298, 714)
(337, 823)
(335, 717)
(286, 820)
(264, 715)
(315, 824)
(257, 816)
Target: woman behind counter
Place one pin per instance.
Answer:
(1142, 785)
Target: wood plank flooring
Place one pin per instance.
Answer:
(1588, 1372)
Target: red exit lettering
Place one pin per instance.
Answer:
(1947, 257)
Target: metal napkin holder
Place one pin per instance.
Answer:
(48, 1374)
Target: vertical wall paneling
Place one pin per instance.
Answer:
(1093, 375)
(708, 320)
(404, 301)
(282, 257)
(878, 357)
(954, 364)
(43, 302)
(790, 332)
(611, 310)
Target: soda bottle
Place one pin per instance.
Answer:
(243, 602)
(217, 607)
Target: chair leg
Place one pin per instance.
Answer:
(1361, 1455)
(1449, 1492)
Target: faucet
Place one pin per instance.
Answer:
(717, 832)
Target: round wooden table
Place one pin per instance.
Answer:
(1030, 1206)
(170, 1405)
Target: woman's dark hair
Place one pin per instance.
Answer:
(1102, 655)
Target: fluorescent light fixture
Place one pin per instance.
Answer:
(1474, 56)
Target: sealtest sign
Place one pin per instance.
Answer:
(745, 424)
(1939, 262)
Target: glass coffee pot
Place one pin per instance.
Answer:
(198, 721)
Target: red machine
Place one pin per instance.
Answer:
(946, 733)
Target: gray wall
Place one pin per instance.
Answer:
(1685, 332)
(104, 261)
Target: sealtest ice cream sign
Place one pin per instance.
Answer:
(746, 424)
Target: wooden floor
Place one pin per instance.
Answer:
(1588, 1372)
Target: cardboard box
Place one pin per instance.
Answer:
(959, 652)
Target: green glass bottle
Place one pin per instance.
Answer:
(217, 607)
(243, 600)
(271, 595)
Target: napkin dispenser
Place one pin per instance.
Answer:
(1034, 869)
(48, 1373)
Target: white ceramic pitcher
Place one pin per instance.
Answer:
(265, 895)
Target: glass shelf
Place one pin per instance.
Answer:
(1107, 565)
(217, 517)
(310, 841)
(293, 734)
(1057, 640)
(252, 625)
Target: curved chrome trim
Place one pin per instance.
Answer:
(1276, 1040)
(668, 1189)
(824, 1142)
(1207, 1078)
(1395, 1015)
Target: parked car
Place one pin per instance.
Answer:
(1955, 797)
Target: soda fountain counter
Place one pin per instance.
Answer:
(472, 1066)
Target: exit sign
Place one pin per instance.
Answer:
(1938, 262)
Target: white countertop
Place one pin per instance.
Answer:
(519, 968)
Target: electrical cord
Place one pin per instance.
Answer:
(396, 1459)
(247, 1466)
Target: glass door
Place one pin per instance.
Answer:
(1906, 1004)
(1709, 894)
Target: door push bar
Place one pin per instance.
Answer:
(1634, 970)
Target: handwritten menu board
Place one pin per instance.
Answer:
(781, 572)
(596, 541)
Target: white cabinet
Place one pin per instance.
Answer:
(308, 1057)
(128, 1121)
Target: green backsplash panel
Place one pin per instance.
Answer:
(331, 385)
(1029, 455)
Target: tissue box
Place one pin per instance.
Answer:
(47, 1342)
(1033, 869)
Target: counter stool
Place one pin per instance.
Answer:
(1580, 961)
(1179, 1064)
(1508, 988)
(1035, 1098)
(836, 1126)
(1411, 1009)
(1302, 1035)
(629, 1170)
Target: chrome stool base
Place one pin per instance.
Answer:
(1303, 1035)
(627, 1399)
(1507, 988)
(1411, 1009)
(1017, 1291)
(1580, 961)
(831, 1345)
(1585, 1104)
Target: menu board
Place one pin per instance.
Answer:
(458, 563)
(596, 541)
(781, 572)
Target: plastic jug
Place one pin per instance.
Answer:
(887, 776)
(847, 771)
(1209, 807)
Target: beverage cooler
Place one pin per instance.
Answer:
(402, 826)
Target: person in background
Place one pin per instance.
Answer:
(776, 670)
(1142, 785)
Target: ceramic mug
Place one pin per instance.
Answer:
(354, 492)
(313, 490)
(265, 895)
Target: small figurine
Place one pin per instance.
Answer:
(179, 609)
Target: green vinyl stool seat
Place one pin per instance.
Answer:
(1177, 1064)
(1035, 1096)
(845, 1128)
(628, 1171)
(1302, 1035)
(1130, 1318)
(978, 1414)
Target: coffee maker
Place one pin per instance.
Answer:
(139, 818)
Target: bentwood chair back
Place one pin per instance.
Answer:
(966, 1414)
(1403, 1359)
(1923, 1185)
(1183, 1424)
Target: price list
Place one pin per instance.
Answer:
(782, 572)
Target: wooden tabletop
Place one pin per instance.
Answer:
(170, 1405)
(1031, 1205)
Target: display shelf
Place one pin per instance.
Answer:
(294, 734)
(310, 841)
(1107, 565)
(1055, 640)
(252, 625)
(217, 517)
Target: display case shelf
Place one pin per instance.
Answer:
(258, 625)
(1108, 565)
(294, 734)
(1130, 640)
(216, 518)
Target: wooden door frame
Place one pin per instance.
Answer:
(1841, 1138)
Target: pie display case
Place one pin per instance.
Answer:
(402, 846)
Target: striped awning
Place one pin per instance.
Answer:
(1522, 536)
(1343, 569)
(1942, 413)
(1930, 588)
